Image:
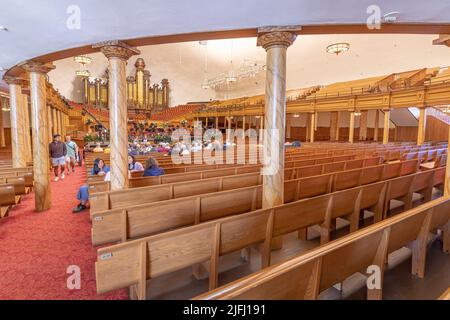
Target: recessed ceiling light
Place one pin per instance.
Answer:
(3, 28)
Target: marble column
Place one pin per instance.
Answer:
(60, 125)
(27, 131)
(351, 128)
(50, 123)
(39, 121)
(17, 116)
(312, 128)
(376, 126)
(422, 126)
(333, 125)
(118, 53)
(363, 126)
(2, 130)
(387, 119)
(55, 123)
(275, 43)
(288, 125)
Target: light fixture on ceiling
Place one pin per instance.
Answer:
(296, 116)
(83, 73)
(357, 113)
(83, 59)
(338, 48)
(3, 28)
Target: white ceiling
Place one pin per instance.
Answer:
(38, 27)
(308, 63)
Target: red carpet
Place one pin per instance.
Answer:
(36, 248)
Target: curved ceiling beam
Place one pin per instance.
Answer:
(412, 28)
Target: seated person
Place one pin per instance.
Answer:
(134, 165)
(296, 144)
(152, 168)
(99, 169)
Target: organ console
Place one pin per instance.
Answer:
(143, 97)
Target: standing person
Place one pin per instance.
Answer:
(72, 151)
(58, 152)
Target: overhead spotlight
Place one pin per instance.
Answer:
(296, 116)
(391, 17)
(357, 113)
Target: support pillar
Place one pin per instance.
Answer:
(334, 118)
(376, 126)
(40, 129)
(17, 115)
(312, 128)
(276, 44)
(363, 126)
(55, 123)
(351, 129)
(118, 53)
(387, 119)
(27, 131)
(422, 126)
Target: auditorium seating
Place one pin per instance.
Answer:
(122, 198)
(119, 265)
(310, 273)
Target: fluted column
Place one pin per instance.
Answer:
(39, 121)
(275, 43)
(17, 115)
(351, 129)
(118, 53)
(422, 126)
(387, 118)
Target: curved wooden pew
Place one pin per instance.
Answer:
(135, 221)
(134, 262)
(310, 273)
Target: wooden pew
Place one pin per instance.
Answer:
(187, 202)
(7, 198)
(310, 273)
(445, 295)
(135, 262)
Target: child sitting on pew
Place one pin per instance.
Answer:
(99, 169)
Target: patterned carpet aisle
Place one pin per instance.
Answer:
(36, 248)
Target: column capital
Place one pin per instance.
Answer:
(276, 38)
(35, 66)
(116, 49)
(15, 80)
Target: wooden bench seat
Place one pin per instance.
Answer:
(134, 262)
(310, 273)
(134, 221)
